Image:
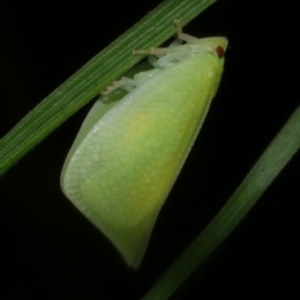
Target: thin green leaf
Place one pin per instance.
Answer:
(93, 77)
(272, 161)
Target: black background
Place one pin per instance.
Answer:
(50, 251)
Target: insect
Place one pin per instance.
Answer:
(134, 141)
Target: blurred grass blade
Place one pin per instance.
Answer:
(93, 77)
(272, 161)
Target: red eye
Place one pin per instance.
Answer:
(220, 51)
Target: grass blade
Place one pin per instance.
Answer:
(268, 166)
(100, 71)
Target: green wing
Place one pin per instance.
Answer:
(121, 172)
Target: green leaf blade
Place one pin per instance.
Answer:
(263, 173)
(100, 71)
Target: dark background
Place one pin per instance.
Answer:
(50, 251)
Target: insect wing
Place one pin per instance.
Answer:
(121, 173)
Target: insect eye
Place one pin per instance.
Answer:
(220, 51)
